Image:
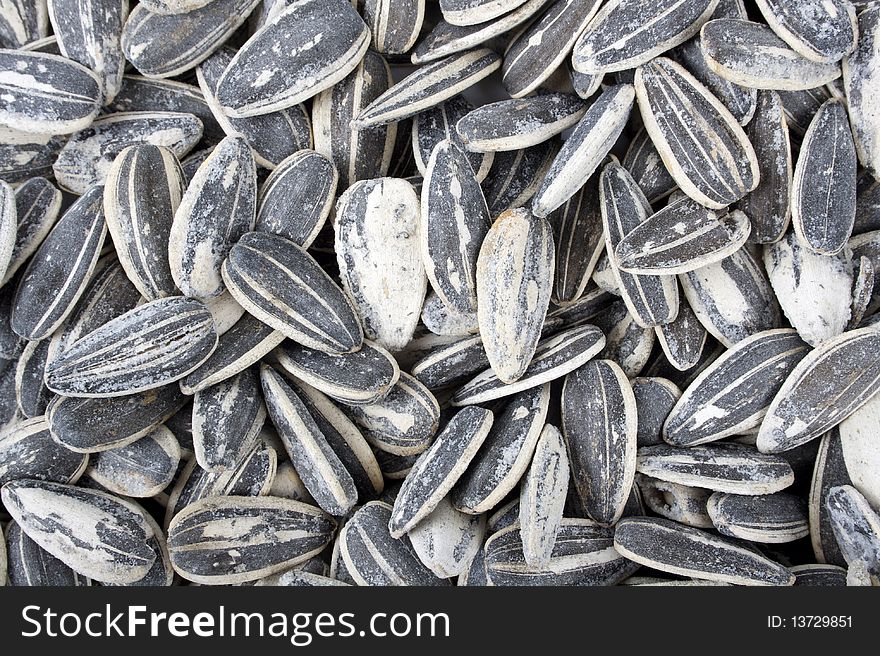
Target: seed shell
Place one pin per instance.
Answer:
(25, 155)
(683, 339)
(394, 24)
(819, 575)
(30, 387)
(447, 540)
(471, 12)
(141, 469)
(655, 399)
(31, 565)
(647, 168)
(27, 451)
(516, 175)
(37, 205)
(23, 21)
(680, 503)
(860, 77)
(438, 124)
(818, 30)
(857, 528)
(451, 363)
(542, 498)
(773, 518)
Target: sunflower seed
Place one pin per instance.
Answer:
(823, 312)
(860, 79)
(701, 143)
(322, 472)
(857, 528)
(583, 554)
(90, 425)
(626, 33)
(651, 300)
(29, 452)
(143, 190)
(862, 291)
(732, 394)
(59, 271)
(723, 467)
(829, 384)
(647, 168)
(830, 470)
(30, 387)
(538, 50)
(239, 539)
(472, 12)
(773, 518)
(46, 94)
(859, 450)
(166, 45)
(801, 106)
(732, 298)
(447, 540)
(22, 21)
(819, 575)
(670, 547)
(298, 578)
(282, 286)
(31, 565)
(751, 55)
(818, 30)
(442, 320)
(89, 154)
(506, 453)
(174, 6)
(403, 422)
(452, 363)
(516, 175)
(141, 469)
(24, 155)
(372, 557)
(683, 339)
(542, 498)
(428, 86)
(96, 534)
(358, 378)
(680, 503)
(395, 24)
(584, 150)
(823, 193)
(438, 124)
(554, 357)
(655, 398)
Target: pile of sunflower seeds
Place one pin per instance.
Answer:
(406, 292)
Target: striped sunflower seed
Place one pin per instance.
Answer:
(284, 287)
(454, 222)
(823, 193)
(655, 399)
(59, 271)
(358, 378)
(96, 534)
(857, 529)
(27, 451)
(626, 33)
(37, 206)
(752, 55)
(394, 24)
(46, 94)
(22, 21)
(438, 124)
(307, 47)
(819, 575)
(671, 547)
(829, 384)
(447, 540)
(516, 175)
(820, 31)
(30, 387)
(723, 467)
(394, 467)
(860, 78)
(31, 565)
(238, 539)
(862, 291)
(451, 363)
(143, 190)
(773, 518)
(599, 418)
(830, 470)
(174, 6)
(25, 155)
(701, 143)
(473, 12)
(684, 339)
(141, 469)
(680, 503)
(542, 498)
(647, 168)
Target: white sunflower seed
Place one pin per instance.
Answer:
(860, 451)
(141, 469)
(442, 320)
(857, 528)
(542, 498)
(447, 540)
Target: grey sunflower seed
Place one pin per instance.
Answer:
(542, 498)
(404, 421)
(143, 191)
(680, 503)
(395, 24)
(820, 31)
(703, 146)
(583, 554)
(46, 94)
(239, 539)
(284, 287)
(599, 417)
(651, 300)
(25, 155)
(322, 472)
(37, 205)
(306, 48)
(732, 394)
(166, 45)
(23, 21)
(723, 467)
(800, 106)
(454, 222)
(372, 557)
(30, 387)
(87, 156)
(95, 534)
(683, 339)
(862, 291)
(358, 378)
(161, 573)
(141, 469)
(447, 540)
(504, 515)
(554, 357)
(227, 417)
(30, 564)
(857, 528)
(296, 199)
(516, 175)
(627, 33)
(429, 86)
(823, 193)
(647, 168)
(670, 547)
(655, 398)
(823, 312)
(514, 279)
(59, 271)
(819, 575)
(772, 518)
(829, 384)
(27, 451)
(90, 425)
(751, 55)
(537, 51)
(394, 467)
(9, 414)
(473, 12)
(357, 154)
(589, 143)
(732, 298)
(89, 34)
(438, 124)
(475, 573)
(860, 79)
(272, 137)
(451, 363)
